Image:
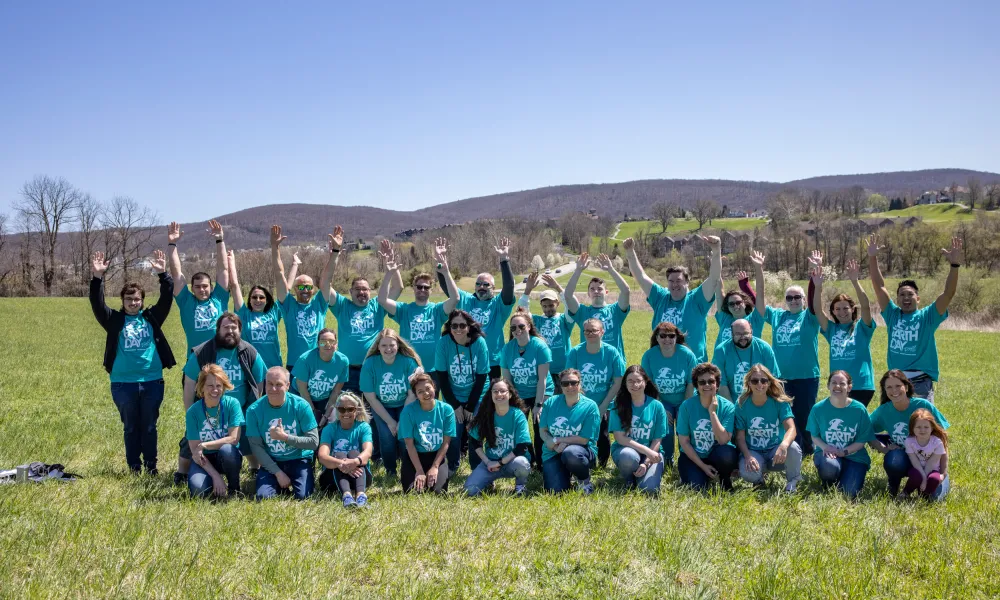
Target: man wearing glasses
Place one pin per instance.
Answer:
(735, 357)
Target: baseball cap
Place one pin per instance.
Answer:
(549, 295)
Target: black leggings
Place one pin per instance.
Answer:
(536, 458)
(331, 479)
(862, 396)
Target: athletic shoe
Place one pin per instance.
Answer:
(349, 501)
(587, 487)
(791, 485)
(362, 500)
(520, 490)
(180, 478)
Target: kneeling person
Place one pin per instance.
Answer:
(504, 441)
(345, 449)
(427, 427)
(569, 425)
(213, 434)
(763, 410)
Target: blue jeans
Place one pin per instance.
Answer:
(725, 460)
(299, 471)
(628, 460)
(923, 387)
(849, 475)
(227, 461)
(896, 464)
(792, 465)
(667, 444)
(576, 461)
(481, 478)
(392, 448)
(139, 408)
(803, 392)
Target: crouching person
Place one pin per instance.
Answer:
(213, 434)
(427, 428)
(283, 436)
(763, 411)
(499, 435)
(345, 449)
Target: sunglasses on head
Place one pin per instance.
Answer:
(304, 288)
(792, 298)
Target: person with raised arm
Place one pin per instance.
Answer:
(135, 354)
(525, 364)
(419, 321)
(841, 428)
(639, 423)
(202, 305)
(304, 309)
(743, 303)
(611, 315)
(260, 316)
(569, 423)
(677, 303)
(912, 347)
(705, 426)
(669, 363)
(848, 329)
(555, 327)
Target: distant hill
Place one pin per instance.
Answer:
(896, 183)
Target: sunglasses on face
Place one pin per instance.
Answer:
(328, 344)
(792, 298)
(459, 325)
(569, 382)
(702, 382)
(666, 336)
(422, 288)
(304, 288)
(483, 284)
(520, 327)
(756, 381)
(737, 303)
(346, 410)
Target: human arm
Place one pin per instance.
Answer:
(864, 304)
(98, 266)
(303, 387)
(572, 305)
(743, 280)
(334, 245)
(543, 377)
(281, 286)
(439, 458)
(760, 302)
(294, 271)
(616, 384)
(816, 295)
(684, 442)
(709, 286)
(388, 253)
(529, 285)
(221, 258)
(391, 272)
(234, 282)
(506, 275)
(782, 452)
(878, 282)
(444, 274)
(198, 456)
(624, 290)
(420, 481)
(645, 282)
(722, 435)
(741, 443)
(379, 409)
(174, 234)
(954, 256)
(259, 449)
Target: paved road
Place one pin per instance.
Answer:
(563, 269)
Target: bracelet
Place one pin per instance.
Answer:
(954, 266)
(172, 244)
(218, 241)
(335, 251)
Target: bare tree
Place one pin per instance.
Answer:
(128, 229)
(856, 199)
(6, 265)
(664, 213)
(975, 192)
(47, 205)
(89, 212)
(705, 211)
(993, 196)
(953, 192)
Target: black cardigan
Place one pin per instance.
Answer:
(114, 320)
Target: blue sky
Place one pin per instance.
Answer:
(202, 110)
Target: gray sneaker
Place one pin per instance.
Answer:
(587, 487)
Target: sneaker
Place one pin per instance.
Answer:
(180, 478)
(587, 487)
(520, 490)
(362, 500)
(792, 485)
(349, 501)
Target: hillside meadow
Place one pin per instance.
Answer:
(111, 535)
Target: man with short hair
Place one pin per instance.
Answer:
(735, 356)
(552, 325)
(243, 366)
(611, 315)
(676, 303)
(200, 306)
(912, 348)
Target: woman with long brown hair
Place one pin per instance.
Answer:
(639, 424)
(499, 435)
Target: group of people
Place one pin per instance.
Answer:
(457, 380)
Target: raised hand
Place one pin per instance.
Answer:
(713, 241)
(816, 274)
(531, 283)
(388, 255)
(816, 258)
(551, 282)
(583, 261)
(503, 249)
(741, 275)
(757, 258)
(215, 230)
(604, 261)
(295, 259)
(276, 237)
(629, 244)
(852, 270)
(159, 261)
(336, 239)
(872, 245)
(955, 254)
(174, 232)
(98, 265)
(441, 249)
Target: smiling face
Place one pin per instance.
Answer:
(794, 299)
(922, 430)
(667, 340)
(484, 286)
(519, 328)
(213, 390)
(388, 347)
(201, 287)
(742, 333)
(425, 393)
(257, 300)
(361, 292)
(593, 331)
(347, 412)
(459, 329)
(422, 290)
(501, 394)
(677, 285)
(635, 383)
(132, 303)
(839, 385)
(843, 312)
(304, 289)
(737, 305)
(276, 384)
(895, 389)
(327, 344)
(549, 307)
(907, 299)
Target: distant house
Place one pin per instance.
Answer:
(738, 213)
(929, 197)
(760, 213)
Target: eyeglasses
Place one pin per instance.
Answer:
(359, 290)
(592, 332)
(328, 344)
(304, 288)
(422, 288)
(702, 382)
(569, 382)
(737, 303)
(520, 327)
(756, 381)
(459, 325)
(664, 336)
(793, 298)
(345, 410)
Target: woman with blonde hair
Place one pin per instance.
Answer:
(213, 433)
(345, 449)
(386, 373)
(762, 412)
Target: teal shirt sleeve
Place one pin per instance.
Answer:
(191, 423)
(301, 370)
(345, 366)
(659, 421)
(614, 421)
(784, 411)
(700, 302)
(259, 370)
(544, 354)
(521, 432)
(191, 369)
(365, 433)
(812, 425)
(656, 293)
(482, 356)
(592, 422)
(876, 420)
(644, 363)
(222, 295)
(682, 425)
(326, 436)
(741, 420)
(727, 416)
(304, 414)
(367, 378)
(571, 359)
(769, 361)
(234, 414)
(619, 363)
(253, 427)
(449, 420)
(505, 353)
(943, 422)
(405, 428)
(441, 355)
(474, 432)
(543, 420)
(865, 432)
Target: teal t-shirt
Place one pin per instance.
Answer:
(725, 321)
(296, 417)
(897, 422)
(421, 326)
(764, 426)
(649, 423)
(511, 429)
(671, 375)
(344, 441)
(556, 331)
(613, 318)
(492, 315)
(389, 383)
(841, 427)
(261, 330)
(303, 323)
(688, 315)
(230, 363)
(357, 327)
(524, 367)
(210, 424)
(912, 346)
(795, 340)
(321, 377)
(850, 350)
(462, 364)
(582, 419)
(198, 318)
(136, 358)
(597, 371)
(735, 362)
(694, 422)
(427, 428)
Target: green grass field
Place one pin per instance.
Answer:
(933, 213)
(111, 535)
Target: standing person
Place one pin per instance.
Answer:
(676, 303)
(893, 417)
(840, 427)
(304, 305)
(705, 426)
(385, 381)
(555, 327)
(426, 427)
(569, 423)
(525, 362)
(213, 432)
(850, 337)
(795, 340)
(742, 303)
(243, 366)
(927, 449)
(735, 357)
(345, 451)
(283, 436)
(611, 315)
(202, 305)
(912, 348)
(419, 321)
(320, 374)
(762, 412)
(601, 369)
(669, 363)
(135, 354)
(461, 364)
(500, 437)
(639, 423)
(261, 317)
